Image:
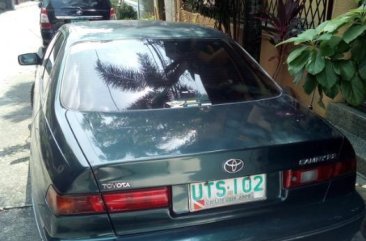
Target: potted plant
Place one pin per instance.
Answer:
(332, 62)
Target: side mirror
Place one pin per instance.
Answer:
(29, 59)
(40, 4)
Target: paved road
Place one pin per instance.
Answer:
(20, 34)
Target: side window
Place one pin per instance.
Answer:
(50, 59)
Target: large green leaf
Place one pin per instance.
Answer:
(326, 49)
(322, 78)
(310, 84)
(321, 27)
(347, 69)
(334, 24)
(342, 48)
(296, 53)
(353, 32)
(332, 77)
(327, 78)
(362, 69)
(336, 67)
(332, 92)
(333, 47)
(325, 37)
(358, 49)
(297, 65)
(353, 91)
(316, 63)
(334, 41)
(306, 36)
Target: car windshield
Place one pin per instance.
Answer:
(78, 3)
(152, 74)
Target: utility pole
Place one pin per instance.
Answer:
(138, 9)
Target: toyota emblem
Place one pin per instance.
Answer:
(79, 12)
(233, 165)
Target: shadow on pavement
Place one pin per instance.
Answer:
(19, 160)
(17, 96)
(8, 151)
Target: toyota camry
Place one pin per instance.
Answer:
(170, 131)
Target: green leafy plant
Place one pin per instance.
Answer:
(280, 26)
(359, 2)
(331, 62)
(125, 11)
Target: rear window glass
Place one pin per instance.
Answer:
(78, 3)
(150, 74)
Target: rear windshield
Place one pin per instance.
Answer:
(150, 74)
(77, 3)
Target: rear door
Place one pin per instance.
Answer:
(69, 11)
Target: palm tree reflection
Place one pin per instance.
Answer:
(161, 79)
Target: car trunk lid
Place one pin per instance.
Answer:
(176, 147)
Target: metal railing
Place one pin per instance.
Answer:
(314, 12)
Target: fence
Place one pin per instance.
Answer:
(313, 13)
(237, 18)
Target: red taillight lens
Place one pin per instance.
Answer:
(341, 168)
(295, 178)
(137, 200)
(69, 205)
(113, 15)
(115, 202)
(44, 21)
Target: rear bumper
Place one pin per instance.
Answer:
(336, 219)
(316, 222)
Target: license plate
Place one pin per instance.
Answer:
(212, 194)
(78, 20)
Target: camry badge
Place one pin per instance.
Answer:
(233, 165)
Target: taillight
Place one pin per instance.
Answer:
(113, 15)
(44, 20)
(115, 202)
(137, 200)
(300, 177)
(70, 204)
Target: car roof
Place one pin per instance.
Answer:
(132, 29)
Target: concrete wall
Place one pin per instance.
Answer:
(342, 6)
(170, 10)
(188, 17)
